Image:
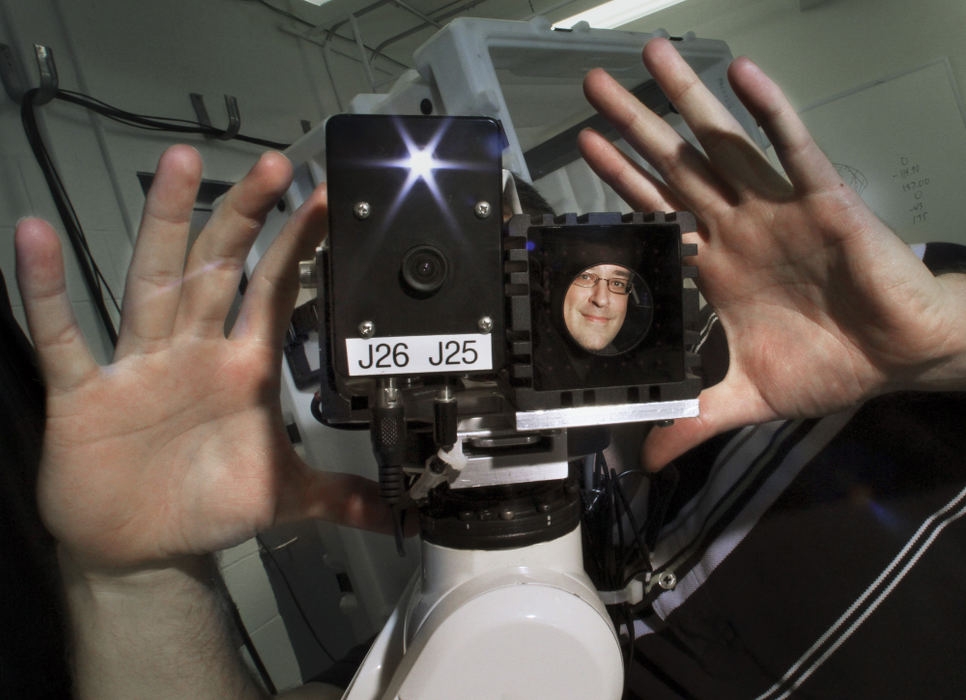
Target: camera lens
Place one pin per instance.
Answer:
(424, 269)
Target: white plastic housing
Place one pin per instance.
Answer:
(513, 624)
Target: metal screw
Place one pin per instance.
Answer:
(485, 324)
(506, 514)
(667, 581)
(366, 329)
(482, 209)
(361, 210)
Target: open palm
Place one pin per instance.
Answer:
(178, 448)
(823, 306)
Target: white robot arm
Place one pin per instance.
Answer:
(501, 605)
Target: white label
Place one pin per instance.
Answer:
(419, 354)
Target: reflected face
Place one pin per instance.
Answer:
(592, 311)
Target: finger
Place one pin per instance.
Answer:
(685, 170)
(733, 155)
(805, 164)
(217, 258)
(271, 293)
(64, 357)
(632, 183)
(722, 407)
(153, 286)
(344, 499)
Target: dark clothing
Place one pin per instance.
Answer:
(816, 558)
(33, 658)
(822, 554)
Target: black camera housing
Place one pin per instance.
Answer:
(414, 252)
(423, 282)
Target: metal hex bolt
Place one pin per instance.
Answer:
(361, 210)
(366, 329)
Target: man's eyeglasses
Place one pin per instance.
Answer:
(616, 285)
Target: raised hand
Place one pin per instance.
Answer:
(177, 448)
(823, 305)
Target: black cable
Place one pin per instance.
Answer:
(151, 123)
(612, 553)
(635, 530)
(295, 600)
(50, 170)
(619, 522)
(603, 525)
(93, 278)
(84, 100)
(612, 550)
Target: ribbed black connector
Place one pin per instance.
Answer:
(388, 432)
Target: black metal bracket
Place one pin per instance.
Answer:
(234, 116)
(305, 319)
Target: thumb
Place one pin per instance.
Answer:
(344, 499)
(721, 408)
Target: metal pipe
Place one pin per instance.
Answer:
(426, 18)
(325, 45)
(470, 4)
(362, 51)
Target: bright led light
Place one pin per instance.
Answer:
(421, 163)
(616, 13)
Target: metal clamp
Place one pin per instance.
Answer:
(632, 594)
(444, 466)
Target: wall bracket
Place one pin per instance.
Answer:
(234, 116)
